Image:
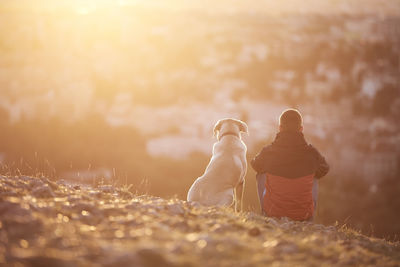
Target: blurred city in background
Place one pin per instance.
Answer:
(128, 92)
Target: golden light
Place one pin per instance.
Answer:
(131, 88)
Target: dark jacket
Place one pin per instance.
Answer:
(291, 166)
(290, 156)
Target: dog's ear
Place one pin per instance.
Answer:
(217, 127)
(243, 126)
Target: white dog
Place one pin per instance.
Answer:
(223, 180)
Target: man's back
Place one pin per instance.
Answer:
(290, 165)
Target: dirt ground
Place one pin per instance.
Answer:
(45, 223)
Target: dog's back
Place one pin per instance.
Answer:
(225, 170)
(228, 162)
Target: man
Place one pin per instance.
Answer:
(287, 171)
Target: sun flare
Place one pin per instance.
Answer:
(103, 92)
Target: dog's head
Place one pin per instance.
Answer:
(230, 125)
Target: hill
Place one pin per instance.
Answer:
(43, 223)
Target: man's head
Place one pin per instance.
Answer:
(290, 121)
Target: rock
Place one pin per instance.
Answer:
(286, 226)
(317, 254)
(43, 191)
(106, 188)
(255, 231)
(181, 225)
(331, 228)
(134, 205)
(7, 206)
(26, 178)
(194, 205)
(113, 212)
(175, 209)
(123, 260)
(35, 183)
(62, 182)
(287, 247)
(81, 206)
(52, 184)
(40, 261)
(273, 222)
(9, 194)
(125, 194)
(96, 194)
(74, 198)
(319, 227)
(151, 258)
(21, 227)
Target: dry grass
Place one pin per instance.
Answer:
(43, 223)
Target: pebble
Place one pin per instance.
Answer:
(7, 206)
(151, 257)
(125, 194)
(255, 231)
(81, 206)
(43, 191)
(123, 260)
(41, 261)
(50, 183)
(176, 209)
(287, 248)
(113, 211)
(22, 227)
(106, 188)
(35, 183)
